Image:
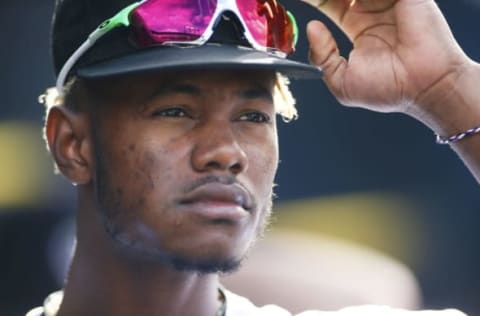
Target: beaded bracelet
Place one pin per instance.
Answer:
(455, 138)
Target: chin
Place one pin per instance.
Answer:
(201, 263)
(213, 253)
(206, 265)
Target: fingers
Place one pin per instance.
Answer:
(334, 9)
(374, 6)
(324, 53)
(338, 9)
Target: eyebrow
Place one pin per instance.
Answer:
(174, 88)
(249, 93)
(258, 92)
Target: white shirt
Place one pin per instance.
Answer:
(241, 306)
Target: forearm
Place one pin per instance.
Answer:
(454, 107)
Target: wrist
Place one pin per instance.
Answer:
(453, 104)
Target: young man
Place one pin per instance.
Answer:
(167, 128)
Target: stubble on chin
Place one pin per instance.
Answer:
(132, 245)
(118, 218)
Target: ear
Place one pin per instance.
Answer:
(69, 142)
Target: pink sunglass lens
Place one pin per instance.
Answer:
(268, 22)
(160, 21)
(256, 21)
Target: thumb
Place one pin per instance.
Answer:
(324, 53)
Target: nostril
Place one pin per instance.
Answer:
(219, 153)
(236, 168)
(213, 165)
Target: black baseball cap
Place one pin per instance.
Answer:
(114, 54)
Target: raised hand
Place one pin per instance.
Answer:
(403, 51)
(405, 59)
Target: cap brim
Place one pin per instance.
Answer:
(210, 56)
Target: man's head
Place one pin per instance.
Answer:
(179, 161)
(180, 165)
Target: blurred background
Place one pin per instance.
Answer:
(360, 190)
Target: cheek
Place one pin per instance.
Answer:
(133, 172)
(263, 163)
(140, 172)
(138, 197)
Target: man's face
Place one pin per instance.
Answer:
(185, 164)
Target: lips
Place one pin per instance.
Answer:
(225, 202)
(217, 193)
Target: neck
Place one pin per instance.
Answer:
(103, 281)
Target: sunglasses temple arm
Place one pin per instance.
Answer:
(122, 18)
(62, 76)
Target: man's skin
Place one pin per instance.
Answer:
(184, 178)
(176, 171)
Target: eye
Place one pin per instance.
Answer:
(171, 112)
(255, 117)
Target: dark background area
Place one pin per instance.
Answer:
(329, 151)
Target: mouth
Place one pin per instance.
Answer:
(217, 201)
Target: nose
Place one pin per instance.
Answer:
(217, 149)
